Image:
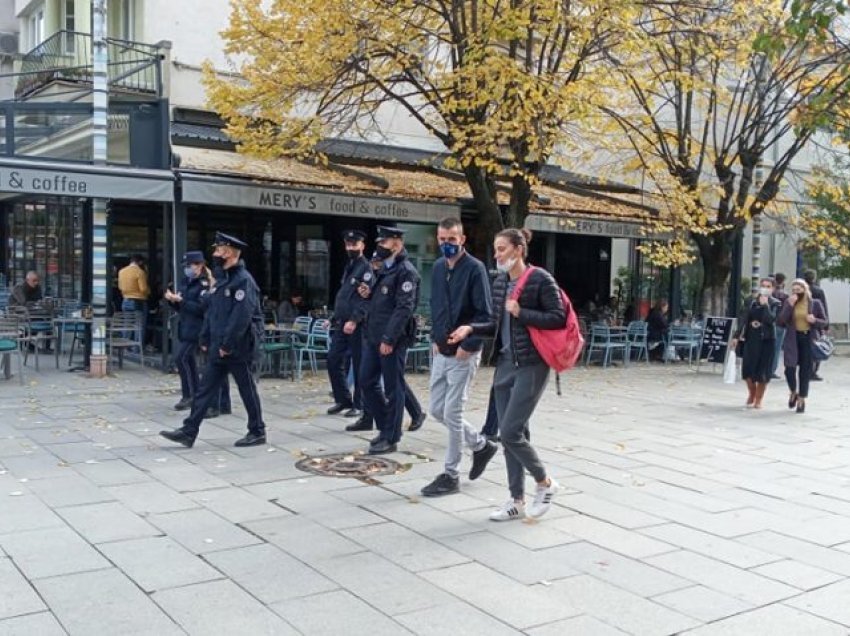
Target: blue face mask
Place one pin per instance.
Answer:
(450, 250)
(189, 272)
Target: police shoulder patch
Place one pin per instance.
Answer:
(367, 276)
(240, 294)
(407, 286)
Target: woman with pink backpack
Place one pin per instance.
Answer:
(523, 301)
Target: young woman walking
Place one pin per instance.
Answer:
(758, 333)
(803, 318)
(521, 375)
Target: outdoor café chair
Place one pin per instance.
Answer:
(10, 344)
(683, 337)
(124, 332)
(318, 343)
(637, 339)
(602, 340)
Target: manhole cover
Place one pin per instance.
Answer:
(349, 466)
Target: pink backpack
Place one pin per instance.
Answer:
(559, 348)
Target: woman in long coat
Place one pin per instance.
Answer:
(758, 332)
(803, 318)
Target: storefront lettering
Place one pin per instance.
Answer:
(286, 200)
(53, 184)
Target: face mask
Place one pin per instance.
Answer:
(189, 272)
(352, 254)
(765, 291)
(218, 262)
(450, 250)
(383, 252)
(507, 266)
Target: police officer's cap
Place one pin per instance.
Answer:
(229, 241)
(193, 257)
(385, 232)
(353, 235)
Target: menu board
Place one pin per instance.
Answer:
(715, 338)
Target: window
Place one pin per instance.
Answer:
(69, 23)
(35, 26)
(128, 20)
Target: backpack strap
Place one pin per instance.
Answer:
(520, 284)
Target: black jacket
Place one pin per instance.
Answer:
(765, 315)
(192, 309)
(459, 296)
(234, 319)
(540, 306)
(395, 294)
(348, 304)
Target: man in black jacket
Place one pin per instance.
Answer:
(349, 314)
(460, 295)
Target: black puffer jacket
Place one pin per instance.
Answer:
(540, 306)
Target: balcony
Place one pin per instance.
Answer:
(66, 58)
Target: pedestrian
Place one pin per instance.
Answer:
(460, 295)
(188, 303)
(811, 278)
(346, 337)
(230, 338)
(758, 333)
(27, 291)
(521, 374)
(803, 318)
(389, 331)
(780, 295)
(135, 291)
(490, 430)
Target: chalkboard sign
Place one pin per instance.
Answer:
(715, 339)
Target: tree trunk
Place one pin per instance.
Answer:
(716, 252)
(483, 189)
(520, 199)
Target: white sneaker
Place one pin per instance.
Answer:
(509, 511)
(543, 499)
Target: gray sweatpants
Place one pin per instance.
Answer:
(449, 387)
(517, 391)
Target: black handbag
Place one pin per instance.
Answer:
(822, 348)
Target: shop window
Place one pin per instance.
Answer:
(312, 265)
(46, 235)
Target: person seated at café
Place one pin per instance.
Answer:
(289, 310)
(656, 329)
(26, 292)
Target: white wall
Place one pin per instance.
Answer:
(8, 24)
(837, 300)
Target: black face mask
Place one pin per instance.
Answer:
(352, 254)
(217, 262)
(383, 252)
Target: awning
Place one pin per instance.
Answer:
(19, 176)
(587, 226)
(241, 193)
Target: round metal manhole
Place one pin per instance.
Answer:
(356, 466)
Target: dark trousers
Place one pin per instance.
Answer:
(387, 405)
(411, 405)
(804, 367)
(491, 424)
(345, 350)
(187, 367)
(210, 389)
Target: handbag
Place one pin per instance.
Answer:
(822, 348)
(730, 369)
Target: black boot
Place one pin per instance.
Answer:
(362, 424)
(180, 436)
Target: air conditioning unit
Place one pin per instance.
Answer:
(9, 43)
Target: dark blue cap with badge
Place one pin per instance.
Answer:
(385, 232)
(351, 236)
(193, 257)
(230, 241)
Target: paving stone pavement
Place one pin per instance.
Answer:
(681, 513)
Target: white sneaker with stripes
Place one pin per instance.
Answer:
(543, 499)
(509, 511)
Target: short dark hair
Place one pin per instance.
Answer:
(137, 258)
(779, 277)
(518, 237)
(810, 276)
(450, 223)
(768, 279)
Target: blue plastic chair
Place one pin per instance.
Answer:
(318, 343)
(637, 339)
(601, 339)
(682, 337)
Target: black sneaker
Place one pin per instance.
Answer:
(481, 458)
(816, 378)
(416, 423)
(444, 484)
(338, 408)
(183, 404)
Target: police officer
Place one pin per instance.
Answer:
(230, 336)
(349, 313)
(188, 302)
(390, 329)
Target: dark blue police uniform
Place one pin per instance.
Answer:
(345, 348)
(233, 324)
(191, 312)
(389, 320)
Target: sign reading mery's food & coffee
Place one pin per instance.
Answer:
(108, 183)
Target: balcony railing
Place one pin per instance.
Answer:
(67, 56)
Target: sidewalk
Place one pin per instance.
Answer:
(682, 512)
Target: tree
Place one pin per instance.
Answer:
(825, 226)
(724, 98)
(501, 83)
